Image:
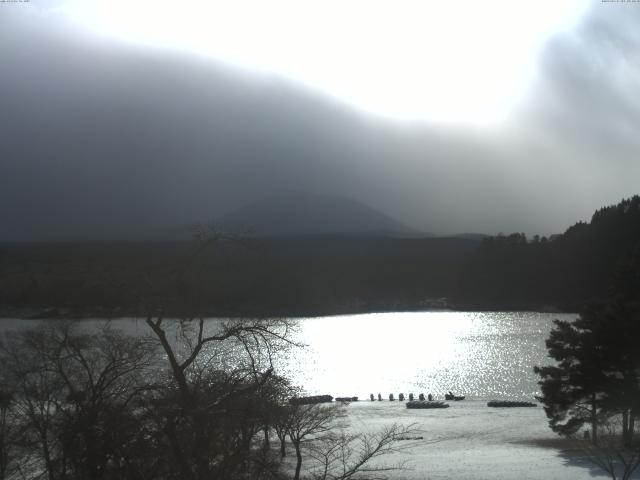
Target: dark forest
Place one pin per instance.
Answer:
(326, 274)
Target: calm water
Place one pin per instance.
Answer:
(474, 354)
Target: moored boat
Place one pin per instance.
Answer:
(510, 403)
(426, 404)
(311, 400)
(457, 398)
(346, 399)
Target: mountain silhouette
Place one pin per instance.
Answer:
(305, 213)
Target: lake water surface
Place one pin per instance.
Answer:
(488, 354)
(480, 355)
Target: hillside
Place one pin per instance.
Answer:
(304, 213)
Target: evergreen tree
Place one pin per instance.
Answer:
(572, 390)
(618, 343)
(598, 370)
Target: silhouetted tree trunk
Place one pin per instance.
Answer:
(594, 418)
(308, 422)
(296, 445)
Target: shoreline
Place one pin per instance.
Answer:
(470, 441)
(70, 313)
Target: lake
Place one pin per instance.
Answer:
(477, 354)
(480, 355)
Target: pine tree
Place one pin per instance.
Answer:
(572, 390)
(598, 371)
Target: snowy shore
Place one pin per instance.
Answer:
(470, 441)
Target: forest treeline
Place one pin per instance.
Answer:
(326, 274)
(563, 272)
(310, 275)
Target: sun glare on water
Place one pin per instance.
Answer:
(480, 355)
(383, 348)
(439, 61)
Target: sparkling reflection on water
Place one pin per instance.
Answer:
(480, 355)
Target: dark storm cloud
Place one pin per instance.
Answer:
(96, 138)
(102, 140)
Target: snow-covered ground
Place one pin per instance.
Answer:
(483, 355)
(471, 441)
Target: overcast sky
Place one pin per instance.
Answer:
(116, 124)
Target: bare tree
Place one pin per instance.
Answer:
(309, 423)
(221, 371)
(72, 397)
(280, 421)
(611, 454)
(36, 393)
(617, 461)
(342, 456)
(102, 372)
(8, 433)
(320, 432)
